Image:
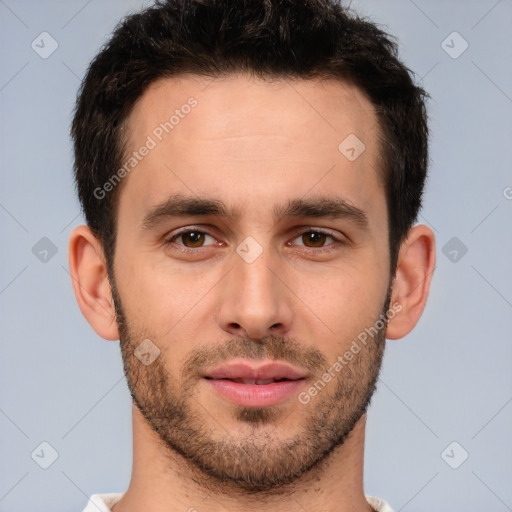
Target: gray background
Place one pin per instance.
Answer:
(449, 380)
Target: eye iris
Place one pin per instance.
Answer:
(318, 239)
(195, 237)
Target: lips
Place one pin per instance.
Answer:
(256, 381)
(247, 373)
(249, 384)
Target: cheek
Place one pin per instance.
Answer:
(343, 300)
(159, 296)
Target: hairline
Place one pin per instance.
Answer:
(323, 75)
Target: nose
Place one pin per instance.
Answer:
(255, 300)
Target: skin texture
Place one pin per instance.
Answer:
(254, 145)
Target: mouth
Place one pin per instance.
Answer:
(250, 385)
(252, 372)
(258, 382)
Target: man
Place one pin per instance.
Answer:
(250, 172)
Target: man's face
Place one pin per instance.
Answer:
(265, 285)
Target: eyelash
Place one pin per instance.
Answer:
(182, 248)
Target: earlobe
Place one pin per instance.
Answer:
(416, 263)
(89, 277)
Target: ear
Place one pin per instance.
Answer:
(416, 263)
(88, 269)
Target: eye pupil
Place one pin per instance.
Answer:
(195, 237)
(314, 238)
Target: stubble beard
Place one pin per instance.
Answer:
(261, 461)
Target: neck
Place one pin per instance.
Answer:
(163, 481)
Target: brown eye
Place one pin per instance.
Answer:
(314, 239)
(192, 238)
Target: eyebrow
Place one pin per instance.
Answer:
(318, 207)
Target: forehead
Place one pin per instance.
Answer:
(243, 105)
(208, 136)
